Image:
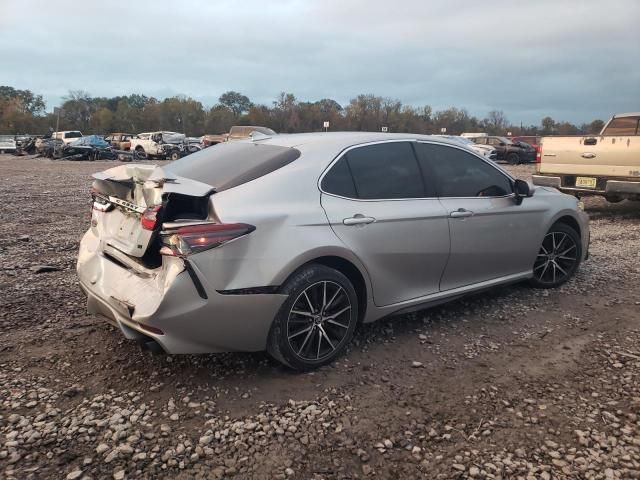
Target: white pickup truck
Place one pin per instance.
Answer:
(607, 164)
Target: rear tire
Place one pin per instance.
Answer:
(559, 257)
(317, 321)
(513, 159)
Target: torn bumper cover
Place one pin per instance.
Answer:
(165, 306)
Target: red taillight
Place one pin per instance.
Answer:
(196, 238)
(150, 217)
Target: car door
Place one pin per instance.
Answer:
(491, 235)
(378, 204)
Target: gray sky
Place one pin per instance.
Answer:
(575, 60)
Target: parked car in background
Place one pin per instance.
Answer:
(472, 135)
(120, 141)
(90, 147)
(156, 144)
(484, 150)
(607, 164)
(533, 140)
(7, 144)
(237, 132)
(67, 136)
(206, 254)
(26, 143)
(506, 150)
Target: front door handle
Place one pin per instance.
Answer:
(461, 213)
(588, 155)
(358, 219)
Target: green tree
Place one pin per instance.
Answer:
(236, 102)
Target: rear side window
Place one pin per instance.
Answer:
(622, 126)
(339, 181)
(385, 171)
(228, 165)
(461, 174)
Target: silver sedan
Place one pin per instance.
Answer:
(286, 243)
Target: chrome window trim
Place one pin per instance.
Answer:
(410, 140)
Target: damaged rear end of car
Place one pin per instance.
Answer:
(135, 261)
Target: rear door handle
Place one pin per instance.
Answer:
(461, 213)
(358, 219)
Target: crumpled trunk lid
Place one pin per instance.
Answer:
(123, 194)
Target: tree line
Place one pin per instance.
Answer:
(22, 111)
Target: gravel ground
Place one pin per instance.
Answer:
(513, 383)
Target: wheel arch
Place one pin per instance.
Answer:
(569, 221)
(349, 270)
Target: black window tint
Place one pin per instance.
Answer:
(461, 174)
(339, 181)
(386, 170)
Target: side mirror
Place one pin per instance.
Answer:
(521, 189)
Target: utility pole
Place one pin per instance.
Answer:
(57, 110)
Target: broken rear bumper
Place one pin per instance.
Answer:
(165, 306)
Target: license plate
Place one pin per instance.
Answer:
(588, 182)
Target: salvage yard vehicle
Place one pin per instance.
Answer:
(120, 141)
(67, 136)
(237, 132)
(156, 144)
(287, 243)
(607, 164)
(7, 144)
(484, 150)
(91, 147)
(507, 150)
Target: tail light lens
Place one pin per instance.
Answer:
(150, 217)
(538, 158)
(196, 238)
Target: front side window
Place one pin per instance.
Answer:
(461, 174)
(379, 172)
(622, 126)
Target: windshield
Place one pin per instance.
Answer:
(231, 164)
(505, 140)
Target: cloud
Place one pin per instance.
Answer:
(573, 60)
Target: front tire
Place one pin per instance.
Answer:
(558, 258)
(317, 321)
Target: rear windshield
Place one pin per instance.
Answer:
(228, 165)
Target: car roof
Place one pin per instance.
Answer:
(632, 114)
(342, 140)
